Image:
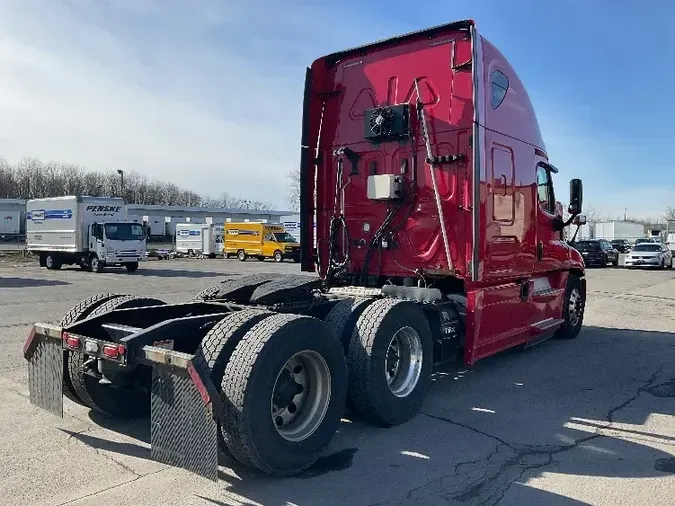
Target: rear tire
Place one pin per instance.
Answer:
(273, 360)
(52, 262)
(133, 267)
(77, 313)
(207, 293)
(107, 399)
(573, 309)
(216, 349)
(388, 335)
(241, 255)
(341, 319)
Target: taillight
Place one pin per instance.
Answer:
(114, 350)
(110, 351)
(71, 341)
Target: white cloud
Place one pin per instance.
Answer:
(105, 88)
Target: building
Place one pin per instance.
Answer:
(165, 218)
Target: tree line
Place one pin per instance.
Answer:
(32, 178)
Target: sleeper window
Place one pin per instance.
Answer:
(499, 85)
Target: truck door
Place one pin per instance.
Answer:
(96, 243)
(548, 246)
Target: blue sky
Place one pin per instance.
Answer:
(207, 93)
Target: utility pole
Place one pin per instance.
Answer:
(625, 214)
(121, 173)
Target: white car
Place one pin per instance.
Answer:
(650, 254)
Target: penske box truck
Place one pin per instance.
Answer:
(91, 232)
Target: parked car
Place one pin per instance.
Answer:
(597, 252)
(650, 254)
(621, 245)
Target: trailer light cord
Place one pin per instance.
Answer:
(338, 224)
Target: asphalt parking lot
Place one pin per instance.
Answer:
(589, 421)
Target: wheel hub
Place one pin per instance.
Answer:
(403, 362)
(301, 396)
(575, 307)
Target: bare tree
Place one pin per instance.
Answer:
(293, 189)
(592, 214)
(670, 214)
(32, 178)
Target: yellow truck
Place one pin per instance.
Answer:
(261, 241)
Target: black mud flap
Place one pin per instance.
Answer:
(183, 412)
(44, 352)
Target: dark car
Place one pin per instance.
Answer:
(621, 245)
(597, 252)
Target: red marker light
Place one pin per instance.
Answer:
(121, 349)
(71, 341)
(110, 351)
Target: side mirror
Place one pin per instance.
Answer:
(576, 196)
(579, 220)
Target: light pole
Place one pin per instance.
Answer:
(121, 173)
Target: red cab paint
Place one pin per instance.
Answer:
(503, 246)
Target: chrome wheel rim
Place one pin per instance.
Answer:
(49, 262)
(94, 263)
(301, 396)
(575, 307)
(403, 362)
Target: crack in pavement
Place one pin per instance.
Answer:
(491, 477)
(93, 494)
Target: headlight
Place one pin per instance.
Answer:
(110, 251)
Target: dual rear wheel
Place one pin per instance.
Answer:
(284, 379)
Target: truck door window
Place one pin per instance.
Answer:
(545, 193)
(269, 237)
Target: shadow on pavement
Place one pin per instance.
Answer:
(484, 432)
(6, 282)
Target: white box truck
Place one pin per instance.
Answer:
(10, 223)
(91, 232)
(199, 239)
(612, 230)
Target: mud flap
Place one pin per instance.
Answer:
(44, 352)
(183, 412)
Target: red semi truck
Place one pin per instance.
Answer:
(438, 235)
